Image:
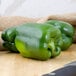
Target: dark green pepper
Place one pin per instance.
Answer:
(67, 31)
(8, 36)
(33, 40)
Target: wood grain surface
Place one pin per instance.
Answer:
(12, 64)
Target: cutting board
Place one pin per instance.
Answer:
(12, 64)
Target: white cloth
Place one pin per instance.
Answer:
(36, 8)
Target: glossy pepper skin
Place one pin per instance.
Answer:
(33, 40)
(67, 31)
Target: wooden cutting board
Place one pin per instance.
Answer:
(12, 64)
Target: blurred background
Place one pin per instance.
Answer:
(36, 8)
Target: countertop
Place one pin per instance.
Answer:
(12, 64)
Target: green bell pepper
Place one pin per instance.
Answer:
(8, 36)
(67, 31)
(33, 40)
